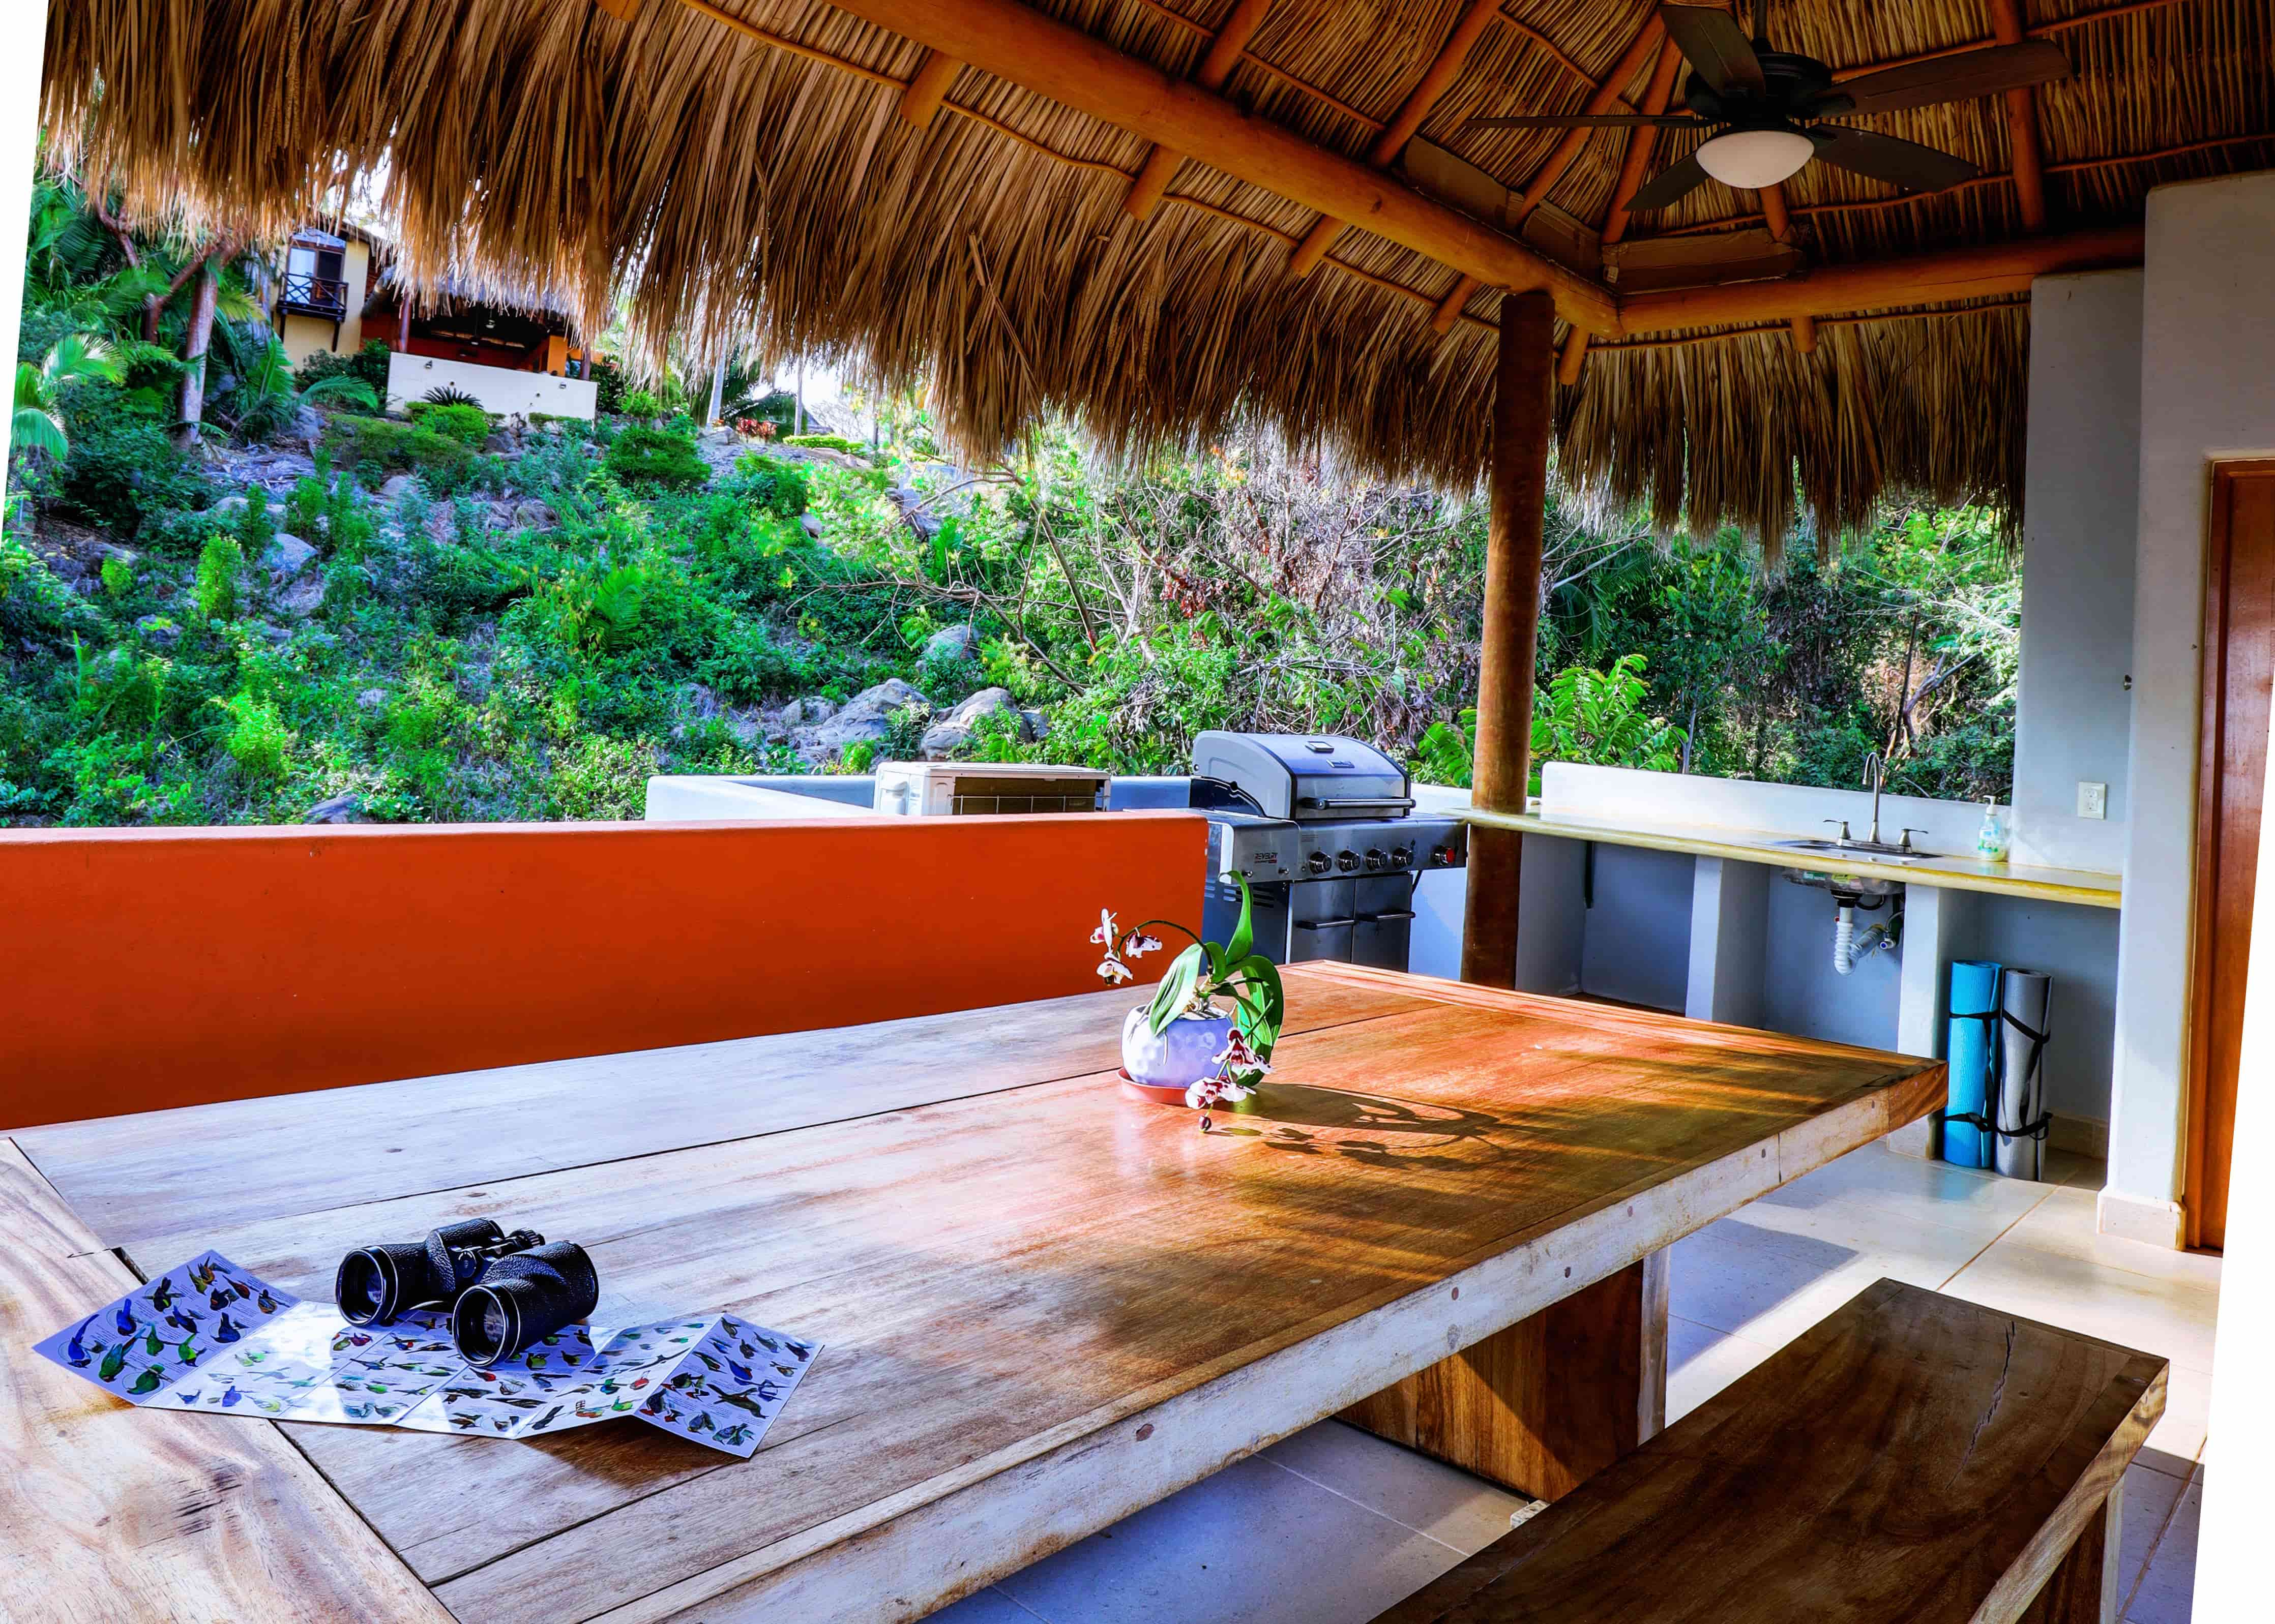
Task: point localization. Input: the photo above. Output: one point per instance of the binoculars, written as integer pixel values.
(504, 1293)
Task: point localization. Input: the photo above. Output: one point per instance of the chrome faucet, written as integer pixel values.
(1875, 772)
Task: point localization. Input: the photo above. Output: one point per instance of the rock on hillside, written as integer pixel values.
(866, 718)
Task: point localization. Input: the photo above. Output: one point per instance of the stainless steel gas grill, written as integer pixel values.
(1325, 829)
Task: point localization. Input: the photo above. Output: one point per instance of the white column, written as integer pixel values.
(1729, 932)
(1934, 920)
(23, 41)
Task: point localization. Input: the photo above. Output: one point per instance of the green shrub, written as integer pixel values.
(220, 564)
(644, 456)
(367, 365)
(640, 404)
(772, 483)
(398, 447)
(449, 394)
(256, 527)
(122, 469)
(828, 442)
(258, 740)
(464, 421)
(117, 577)
(600, 779)
(608, 385)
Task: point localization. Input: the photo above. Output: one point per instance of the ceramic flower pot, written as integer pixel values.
(1178, 1057)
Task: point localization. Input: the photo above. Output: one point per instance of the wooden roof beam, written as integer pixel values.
(2029, 158)
(1052, 59)
(1224, 52)
(1986, 272)
(1438, 78)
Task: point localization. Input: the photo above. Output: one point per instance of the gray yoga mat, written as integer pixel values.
(2019, 1149)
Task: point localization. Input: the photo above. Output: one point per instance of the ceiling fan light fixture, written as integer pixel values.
(1752, 159)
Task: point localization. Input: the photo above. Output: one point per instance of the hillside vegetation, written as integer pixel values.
(324, 611)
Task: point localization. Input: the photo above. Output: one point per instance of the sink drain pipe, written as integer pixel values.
(1848, 951)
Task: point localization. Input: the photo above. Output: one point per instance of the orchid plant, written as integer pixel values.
(1199, 976)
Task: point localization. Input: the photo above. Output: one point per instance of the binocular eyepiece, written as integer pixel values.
(504, 1293)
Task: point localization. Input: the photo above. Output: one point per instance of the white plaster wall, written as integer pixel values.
(408, 377)
(1636, 941)
(2074, 717)
(2207, 391)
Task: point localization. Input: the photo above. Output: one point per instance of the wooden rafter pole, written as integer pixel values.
(921, 102)
(1056, 60)
(2028, 157)
(1160, 165)
(1778, 218)
(1607, 95)
(1519, 487)
(1438, 78)
(1642, 144)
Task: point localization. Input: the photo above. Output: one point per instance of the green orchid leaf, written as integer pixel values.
(1176, 991)
(1244, 934)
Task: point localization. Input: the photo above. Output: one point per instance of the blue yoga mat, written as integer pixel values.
(1972, 1056)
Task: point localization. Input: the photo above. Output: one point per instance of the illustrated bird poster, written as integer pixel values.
(211, 1337)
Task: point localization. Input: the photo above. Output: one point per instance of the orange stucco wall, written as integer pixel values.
(144, 969)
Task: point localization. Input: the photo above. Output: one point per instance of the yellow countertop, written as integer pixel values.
(2086, 886)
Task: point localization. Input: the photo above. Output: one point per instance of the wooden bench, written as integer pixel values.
(1911, 1458)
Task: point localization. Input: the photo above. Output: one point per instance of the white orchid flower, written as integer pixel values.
(1139, 945)
(1114, 972)
(1106, 931)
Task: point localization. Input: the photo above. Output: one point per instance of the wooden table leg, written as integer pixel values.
(2084, 1588)
(1546, 1404)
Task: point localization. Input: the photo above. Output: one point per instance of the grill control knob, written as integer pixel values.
(1346, 861)
(1318, 863)
(1375, 858)
(1402, 857)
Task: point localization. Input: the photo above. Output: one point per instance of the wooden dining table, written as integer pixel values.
(1042, 1303)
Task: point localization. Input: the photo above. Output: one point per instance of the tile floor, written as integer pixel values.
(1331, 1525)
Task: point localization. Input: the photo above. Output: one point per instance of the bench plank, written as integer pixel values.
(108, 1512)
(1911, 1457)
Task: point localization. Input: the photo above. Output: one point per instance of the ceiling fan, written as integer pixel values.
(1765, 106)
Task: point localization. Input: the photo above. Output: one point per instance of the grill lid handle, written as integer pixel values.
(1391, 802)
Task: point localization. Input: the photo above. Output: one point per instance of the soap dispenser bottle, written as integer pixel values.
(1991, 842)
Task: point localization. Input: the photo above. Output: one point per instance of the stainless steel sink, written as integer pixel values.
(1879, 851)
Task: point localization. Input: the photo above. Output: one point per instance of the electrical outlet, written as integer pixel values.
(2092, 799)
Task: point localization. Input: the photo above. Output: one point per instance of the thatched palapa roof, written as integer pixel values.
(964, 190)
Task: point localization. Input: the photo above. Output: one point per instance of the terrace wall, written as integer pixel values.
(148, 968)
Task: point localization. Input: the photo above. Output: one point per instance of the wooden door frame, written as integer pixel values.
(2221, 476)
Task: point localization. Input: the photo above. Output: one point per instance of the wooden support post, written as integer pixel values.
(1804, 334)
(1574, 359)
(2028, 159)
(1160, 165)
(921, 102)
(1547, 1403)
(2087, 1586)
(1519, 487)
(1436, 81)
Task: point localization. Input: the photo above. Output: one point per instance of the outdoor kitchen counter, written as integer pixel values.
(2085, 887)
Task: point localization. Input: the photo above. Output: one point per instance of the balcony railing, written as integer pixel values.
(316, 296)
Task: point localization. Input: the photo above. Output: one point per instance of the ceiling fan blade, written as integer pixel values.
(1957, 78)
(1583, 121)
(1669, 186)
(1886, 157)
(1713, 44)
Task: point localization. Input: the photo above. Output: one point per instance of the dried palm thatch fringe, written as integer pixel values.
(719, 185)
(1747, 430)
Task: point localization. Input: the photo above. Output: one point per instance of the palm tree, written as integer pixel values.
(38, 425)
(260, 398)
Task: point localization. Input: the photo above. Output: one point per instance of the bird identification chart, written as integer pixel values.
(210, 1336)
